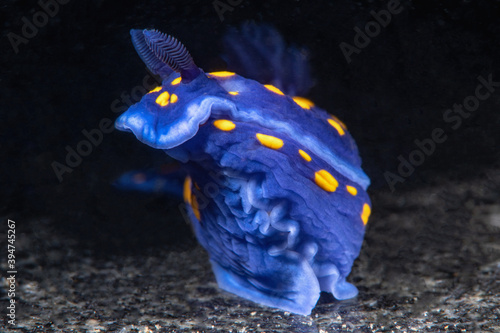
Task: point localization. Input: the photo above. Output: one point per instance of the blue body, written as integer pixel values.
(275, 189)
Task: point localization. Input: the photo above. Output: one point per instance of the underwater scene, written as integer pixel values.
(233, 166)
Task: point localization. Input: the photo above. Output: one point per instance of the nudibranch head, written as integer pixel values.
(170, 114)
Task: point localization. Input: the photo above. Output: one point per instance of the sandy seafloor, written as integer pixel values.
(92, 258)
(430, 264)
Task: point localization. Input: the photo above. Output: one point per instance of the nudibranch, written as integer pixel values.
(274, 187)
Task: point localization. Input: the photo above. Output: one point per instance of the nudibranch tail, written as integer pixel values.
(260, 53)
(170, 51)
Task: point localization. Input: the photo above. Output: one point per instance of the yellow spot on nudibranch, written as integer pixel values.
(269, 141)
(190, 198)
(155, 90)
(176, 81)
(339, 121)
(187, 190)
(326, 181)
(303, 102)
(305, 155)
(273, 89)
(173, 98)
(366, 213)
(336, 125)
(234, 93)
(352, 190)
(194, 206)
(163, 98)
(224, 125)
(221, 74)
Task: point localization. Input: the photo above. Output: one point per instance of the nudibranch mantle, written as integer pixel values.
(275, 190)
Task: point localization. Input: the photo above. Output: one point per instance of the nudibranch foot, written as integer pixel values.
(331, 281)
(284, 281)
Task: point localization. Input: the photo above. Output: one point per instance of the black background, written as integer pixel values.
(394, 91)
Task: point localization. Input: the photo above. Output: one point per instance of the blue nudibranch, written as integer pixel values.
(274, 186)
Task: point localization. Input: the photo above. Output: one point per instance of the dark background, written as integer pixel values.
(394, 91)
